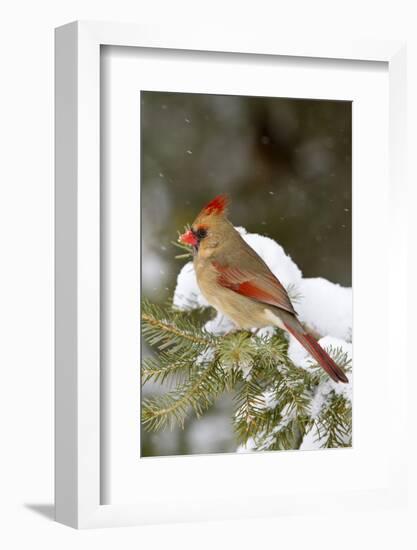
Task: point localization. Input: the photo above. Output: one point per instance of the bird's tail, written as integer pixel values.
(321, 356)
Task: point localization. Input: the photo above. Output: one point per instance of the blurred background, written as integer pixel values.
(286, 164)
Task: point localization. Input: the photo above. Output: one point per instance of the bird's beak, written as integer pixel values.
(188, 238)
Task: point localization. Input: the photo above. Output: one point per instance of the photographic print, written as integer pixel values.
(245, 274)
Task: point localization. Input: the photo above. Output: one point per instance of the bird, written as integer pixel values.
(238, 283)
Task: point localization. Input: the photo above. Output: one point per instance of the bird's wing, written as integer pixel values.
(262, 287)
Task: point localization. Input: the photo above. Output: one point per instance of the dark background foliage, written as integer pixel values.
(286, 164)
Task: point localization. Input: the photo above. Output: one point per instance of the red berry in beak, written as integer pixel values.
(188, 238)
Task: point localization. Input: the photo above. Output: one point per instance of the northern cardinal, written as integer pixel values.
(238, 283)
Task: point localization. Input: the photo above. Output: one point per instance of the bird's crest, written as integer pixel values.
(217, 206)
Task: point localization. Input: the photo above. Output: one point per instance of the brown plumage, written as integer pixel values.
(237, 282)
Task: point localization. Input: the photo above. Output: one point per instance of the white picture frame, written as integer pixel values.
(78, 478)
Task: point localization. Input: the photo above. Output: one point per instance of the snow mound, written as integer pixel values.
(187, 294)
(281, 265)
(326, 307)
(219, 325)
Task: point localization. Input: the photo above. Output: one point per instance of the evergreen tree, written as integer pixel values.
(276, 403)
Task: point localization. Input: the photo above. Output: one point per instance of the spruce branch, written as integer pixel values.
(334, 423)
(171, 329)
(197, 393)
(276, 402)
(166, 366)
(250, 409)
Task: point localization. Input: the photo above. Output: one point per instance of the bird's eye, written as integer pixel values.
(200, 233)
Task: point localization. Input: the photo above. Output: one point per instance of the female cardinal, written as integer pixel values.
(237, 282)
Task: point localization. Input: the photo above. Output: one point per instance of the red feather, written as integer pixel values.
(217, 206)
(263, 287)
(319, 354)
(248, 289)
